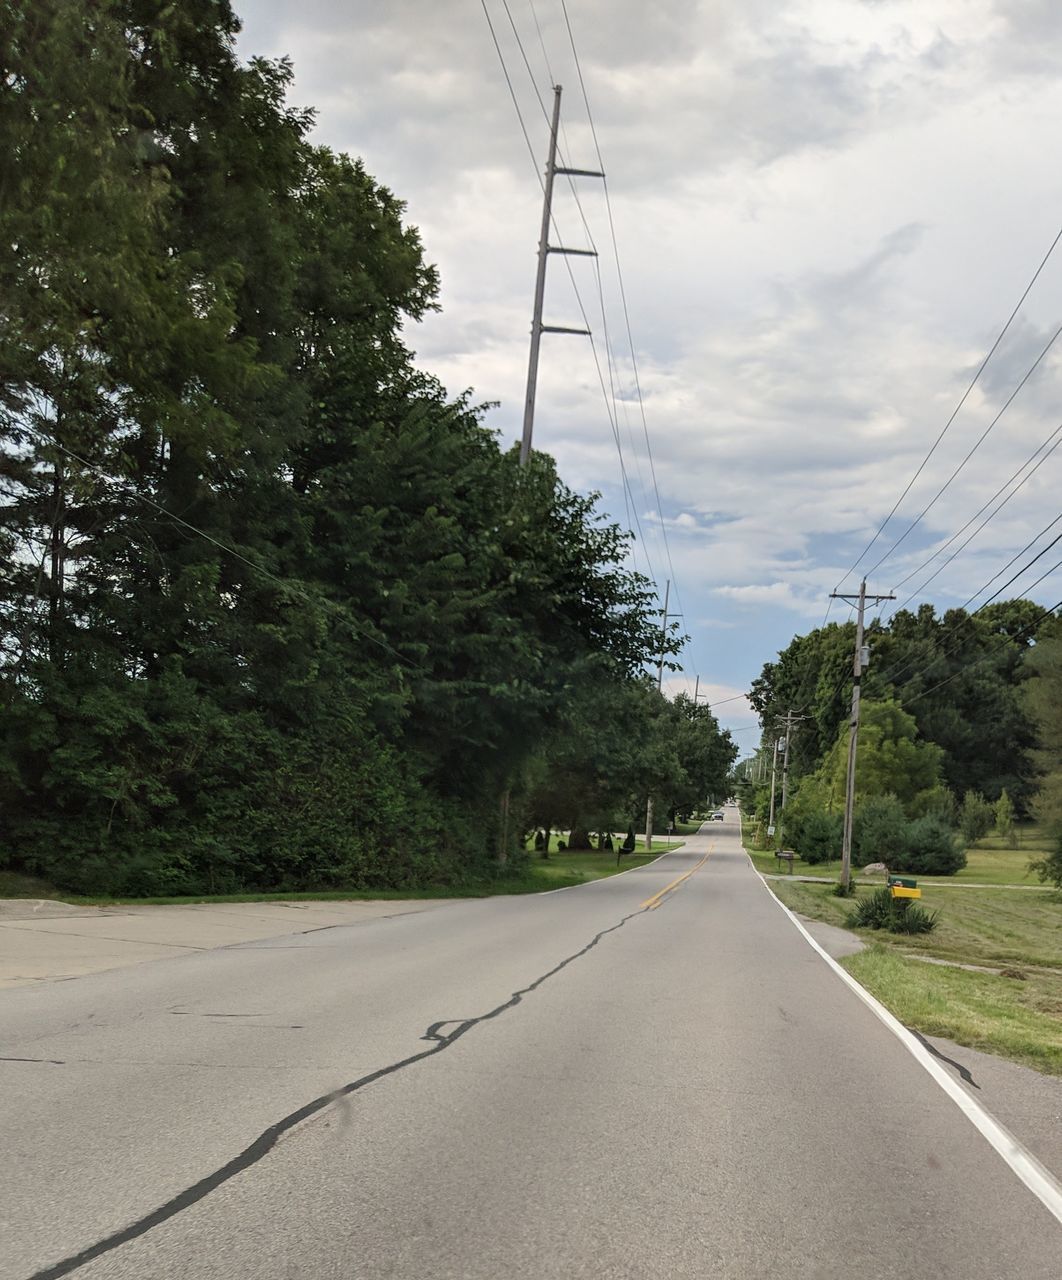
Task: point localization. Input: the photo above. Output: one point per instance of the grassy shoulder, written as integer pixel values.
(1016, 1013)
(1001, 1015)
(559, 871)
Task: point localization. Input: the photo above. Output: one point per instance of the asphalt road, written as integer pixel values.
(598, 1082)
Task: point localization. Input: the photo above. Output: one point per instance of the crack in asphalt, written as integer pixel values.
(963, 1071)
(268, 1138)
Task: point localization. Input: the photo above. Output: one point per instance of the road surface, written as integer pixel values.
(653, 1075)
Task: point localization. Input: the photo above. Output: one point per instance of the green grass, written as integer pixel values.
(561, 870)
(990, 861)
(577, 868)
(14, 885)
(1008, 929)
(1020, 1020)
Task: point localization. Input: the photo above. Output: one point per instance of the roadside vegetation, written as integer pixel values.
(278, 612)
(958, 785)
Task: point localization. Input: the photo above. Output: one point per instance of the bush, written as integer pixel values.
(930, 849)
(1049, 868)
(976, 817)
(896, 915)
(1004, 815)
(936, 802)
(819, 836)
(880, 830)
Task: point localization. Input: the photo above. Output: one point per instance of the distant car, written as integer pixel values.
(717, 816)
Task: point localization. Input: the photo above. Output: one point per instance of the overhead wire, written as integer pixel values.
(623, 294)
(977, 444)
(893, 673)
(1032, 626)
(1054, 440)
(571, 275)
(955, 412)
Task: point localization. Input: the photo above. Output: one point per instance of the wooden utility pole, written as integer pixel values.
(774, 769)
(859, 665)
(659, 688)
(791, 719)
(544, 250)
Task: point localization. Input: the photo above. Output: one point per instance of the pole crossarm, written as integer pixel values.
(544, 250)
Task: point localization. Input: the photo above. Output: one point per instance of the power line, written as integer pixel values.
(1044, 615)
(1056, 436)
(955, 412)
(977, 444)
(623, 295)
(891, 674)
(571, 275)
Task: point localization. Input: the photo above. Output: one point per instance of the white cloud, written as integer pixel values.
(825, 211)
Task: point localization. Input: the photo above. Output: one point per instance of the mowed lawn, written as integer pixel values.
(1016, 1012)
(989, 861)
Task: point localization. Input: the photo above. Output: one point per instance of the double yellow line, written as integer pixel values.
(651, 904)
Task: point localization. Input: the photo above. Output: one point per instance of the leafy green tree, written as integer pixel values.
(1043, 699)
(1004, 816)
(890, 758)
(276, 612)
(880, 830)
(813, 673)
(818, 836)
(961, 675)
(930, 848)
(976, 817)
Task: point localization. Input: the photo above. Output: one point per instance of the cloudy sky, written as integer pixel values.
(825, 212)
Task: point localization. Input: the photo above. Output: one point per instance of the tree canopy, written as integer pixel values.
(276, 611)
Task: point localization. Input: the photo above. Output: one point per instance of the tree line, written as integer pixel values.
(959, 733)
(276, 611)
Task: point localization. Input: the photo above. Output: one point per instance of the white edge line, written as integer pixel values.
(1040, 1181)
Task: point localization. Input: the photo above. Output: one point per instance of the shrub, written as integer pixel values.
(975, 817)
(1004, 815)
(936, 802)
(819, 836)
(896, 915)
(930, 849)
(1049, 868)
(880, 830)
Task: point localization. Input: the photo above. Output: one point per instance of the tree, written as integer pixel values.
(811, 673)
(880, 830)
(890, 759)
(976, 817)
(1042, 694)
(1004, 815)
(277, 612)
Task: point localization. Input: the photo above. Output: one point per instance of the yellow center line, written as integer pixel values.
(652, 903)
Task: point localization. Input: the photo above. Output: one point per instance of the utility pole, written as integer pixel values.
(791, 719)
(696, 690)
(774, 767)
(544, 250)
(785, 780)
(859, 664)
(659, 689)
